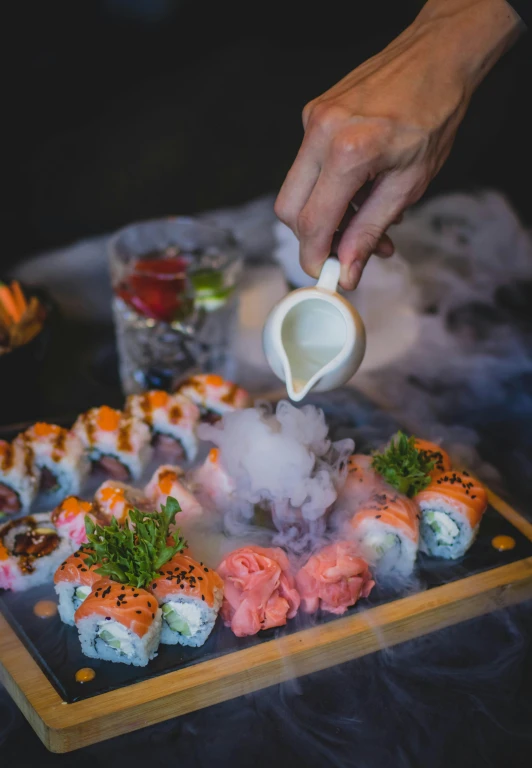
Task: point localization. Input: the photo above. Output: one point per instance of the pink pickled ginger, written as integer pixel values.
(259, 590)
(334, 579)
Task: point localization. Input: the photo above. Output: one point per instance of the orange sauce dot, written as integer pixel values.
(503, 543)
(85, 675)
(45, 609)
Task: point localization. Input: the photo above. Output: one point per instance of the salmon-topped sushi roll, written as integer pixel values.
(119, 623)
(451, 509)
(361, 483)
(171, 418)
(214, 395)
(120, 444)
(69, 518)
(73, 582)
(168, 480)
(434, 453)
(190, 595)
(59, 456)
(334, 579)
(210, 482)
(114, 499)
(31, 549)
(19, 479)
(386, 530)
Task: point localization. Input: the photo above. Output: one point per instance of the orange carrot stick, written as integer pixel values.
(9, 305)
(18, 297)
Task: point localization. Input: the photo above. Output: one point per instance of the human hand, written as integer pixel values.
(374, 141)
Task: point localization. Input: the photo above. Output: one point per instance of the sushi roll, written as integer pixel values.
(432, 452)
(19, 480)
(69, 518)
(167, 481)
(59, 456)
(171, 418)
(120, 444)
(451, 509)
(334, 579)
(190, 596)
(31, 549)
(212, 485)
(119, 623)
(386, 531)
(214, 395)
(114, 499)
(259, 590)
(73, 582)
(361, 483)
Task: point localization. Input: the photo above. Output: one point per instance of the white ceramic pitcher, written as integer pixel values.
(314, 338)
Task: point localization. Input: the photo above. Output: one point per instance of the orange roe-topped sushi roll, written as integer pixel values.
(119, 443)
(119, 623)
(167, 481)
(172, 419)
(386, 530)
(69, 518)
(190, 595)
(59, 456)
(114, 499)
(73, 582)
(214, 395)
(451, 509)
(19, 479)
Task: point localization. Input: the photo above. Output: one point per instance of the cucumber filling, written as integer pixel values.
(80, 594)
(183, 618)
(117, 637)
(383, 545)
(442, 528)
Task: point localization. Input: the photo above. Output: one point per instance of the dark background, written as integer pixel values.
(126, 109)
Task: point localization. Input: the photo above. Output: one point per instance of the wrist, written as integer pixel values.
(468, 36)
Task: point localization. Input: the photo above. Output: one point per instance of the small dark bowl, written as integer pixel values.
(20, 369)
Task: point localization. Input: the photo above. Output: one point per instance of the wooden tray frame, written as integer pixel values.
(63, 727)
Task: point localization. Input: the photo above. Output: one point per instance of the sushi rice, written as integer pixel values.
(117, 442)
(59, 456)
(171, 417)
(40, 550)
(119, 623)
(19, 479)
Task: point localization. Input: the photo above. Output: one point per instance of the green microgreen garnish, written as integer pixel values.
(133, 555)
(403, 466)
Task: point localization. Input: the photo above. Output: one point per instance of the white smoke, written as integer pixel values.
(284, 458)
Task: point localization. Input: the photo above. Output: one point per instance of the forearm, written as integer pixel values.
(472, 35)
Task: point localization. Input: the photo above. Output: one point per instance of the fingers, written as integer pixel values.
(297, 187)
(322, 215)
(365, 233)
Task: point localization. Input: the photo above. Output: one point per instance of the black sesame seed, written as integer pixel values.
(182, 586)
(149, 604)
(206, 570)
(153, 586)
(377, 517)
(153, 615)
(203, 597)
(138, 611)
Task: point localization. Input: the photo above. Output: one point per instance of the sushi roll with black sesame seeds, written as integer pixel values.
(190, 595)
(119, 623)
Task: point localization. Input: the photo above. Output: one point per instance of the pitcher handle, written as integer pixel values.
(330, 274)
